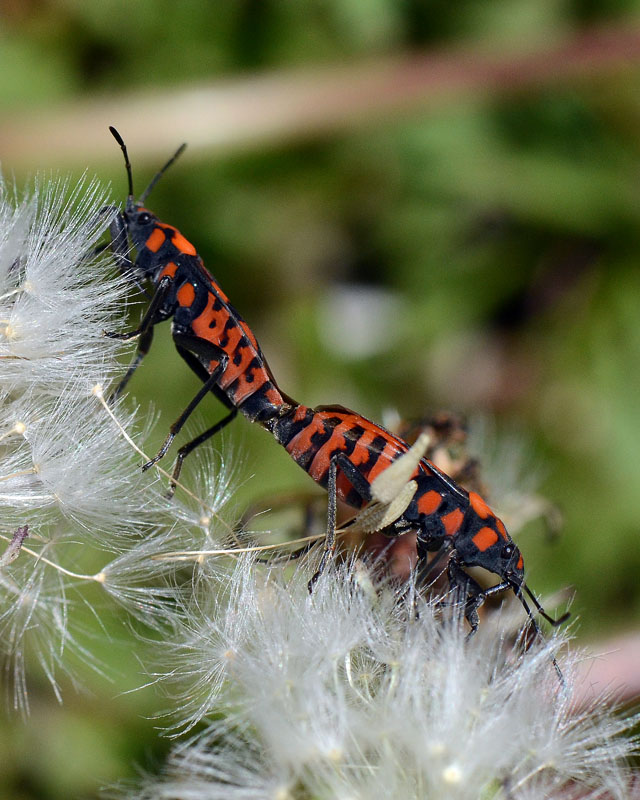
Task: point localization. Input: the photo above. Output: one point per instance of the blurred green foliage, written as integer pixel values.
(508, 229)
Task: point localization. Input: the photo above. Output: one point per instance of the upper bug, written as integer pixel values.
(208, 332)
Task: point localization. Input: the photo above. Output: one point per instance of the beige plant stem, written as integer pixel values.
(248, 112)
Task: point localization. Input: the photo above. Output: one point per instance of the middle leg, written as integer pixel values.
(361, 486)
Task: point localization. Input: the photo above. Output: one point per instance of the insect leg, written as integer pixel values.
(187, 448)
(472, 592)
(212, 353)
(362, 487)
(463, 584)
(119, 242)
(144, 331)
(144, 345)
(203, 373)
(150, 317)
(119, 245)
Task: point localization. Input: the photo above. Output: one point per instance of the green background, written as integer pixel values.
(501, 232)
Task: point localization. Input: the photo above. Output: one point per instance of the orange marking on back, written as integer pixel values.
(301, 442)
(170, 270)
(274, 396)
(501, 529)
(186, 294)
(484, 539)
(520, 564)
(218, 290)
(156, 240)
(452, 521)
(300, 413)
(202, 323)
(249, 334)
(388, 455)
(429, 502)
(361, 451)
(321, 460)
(233, 371)
(245, 388)
(479, 506)
(179, 241)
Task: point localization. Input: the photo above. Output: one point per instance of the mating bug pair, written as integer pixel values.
(341, 450)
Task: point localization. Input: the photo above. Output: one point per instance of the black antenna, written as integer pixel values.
(543, 613)
(161, 172)
(127, 163)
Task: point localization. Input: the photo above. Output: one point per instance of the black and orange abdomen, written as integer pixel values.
(313, 437)
(203, 311)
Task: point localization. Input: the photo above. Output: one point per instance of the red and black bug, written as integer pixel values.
(208, 332)
(341, 450)
(345, 452)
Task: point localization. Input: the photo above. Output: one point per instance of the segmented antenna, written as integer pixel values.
(161, 172)
(543, 613)
(127, 163)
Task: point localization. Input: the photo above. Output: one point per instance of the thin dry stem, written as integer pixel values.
(245, 113)
(98, 577)
(196, 555)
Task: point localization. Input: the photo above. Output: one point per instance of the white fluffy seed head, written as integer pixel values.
(53, 305)
(68, 467)
(342, 694)
(358, 697)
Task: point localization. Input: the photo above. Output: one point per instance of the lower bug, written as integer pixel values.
(345, 453)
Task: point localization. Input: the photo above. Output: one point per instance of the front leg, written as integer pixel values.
(151, 316)
(120, 248)
(144, 331)
(474, 595)
(119, 245)
(463, 585)
(119, 242)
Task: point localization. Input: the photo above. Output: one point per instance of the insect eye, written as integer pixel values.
(507, 550)
(144, 218)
